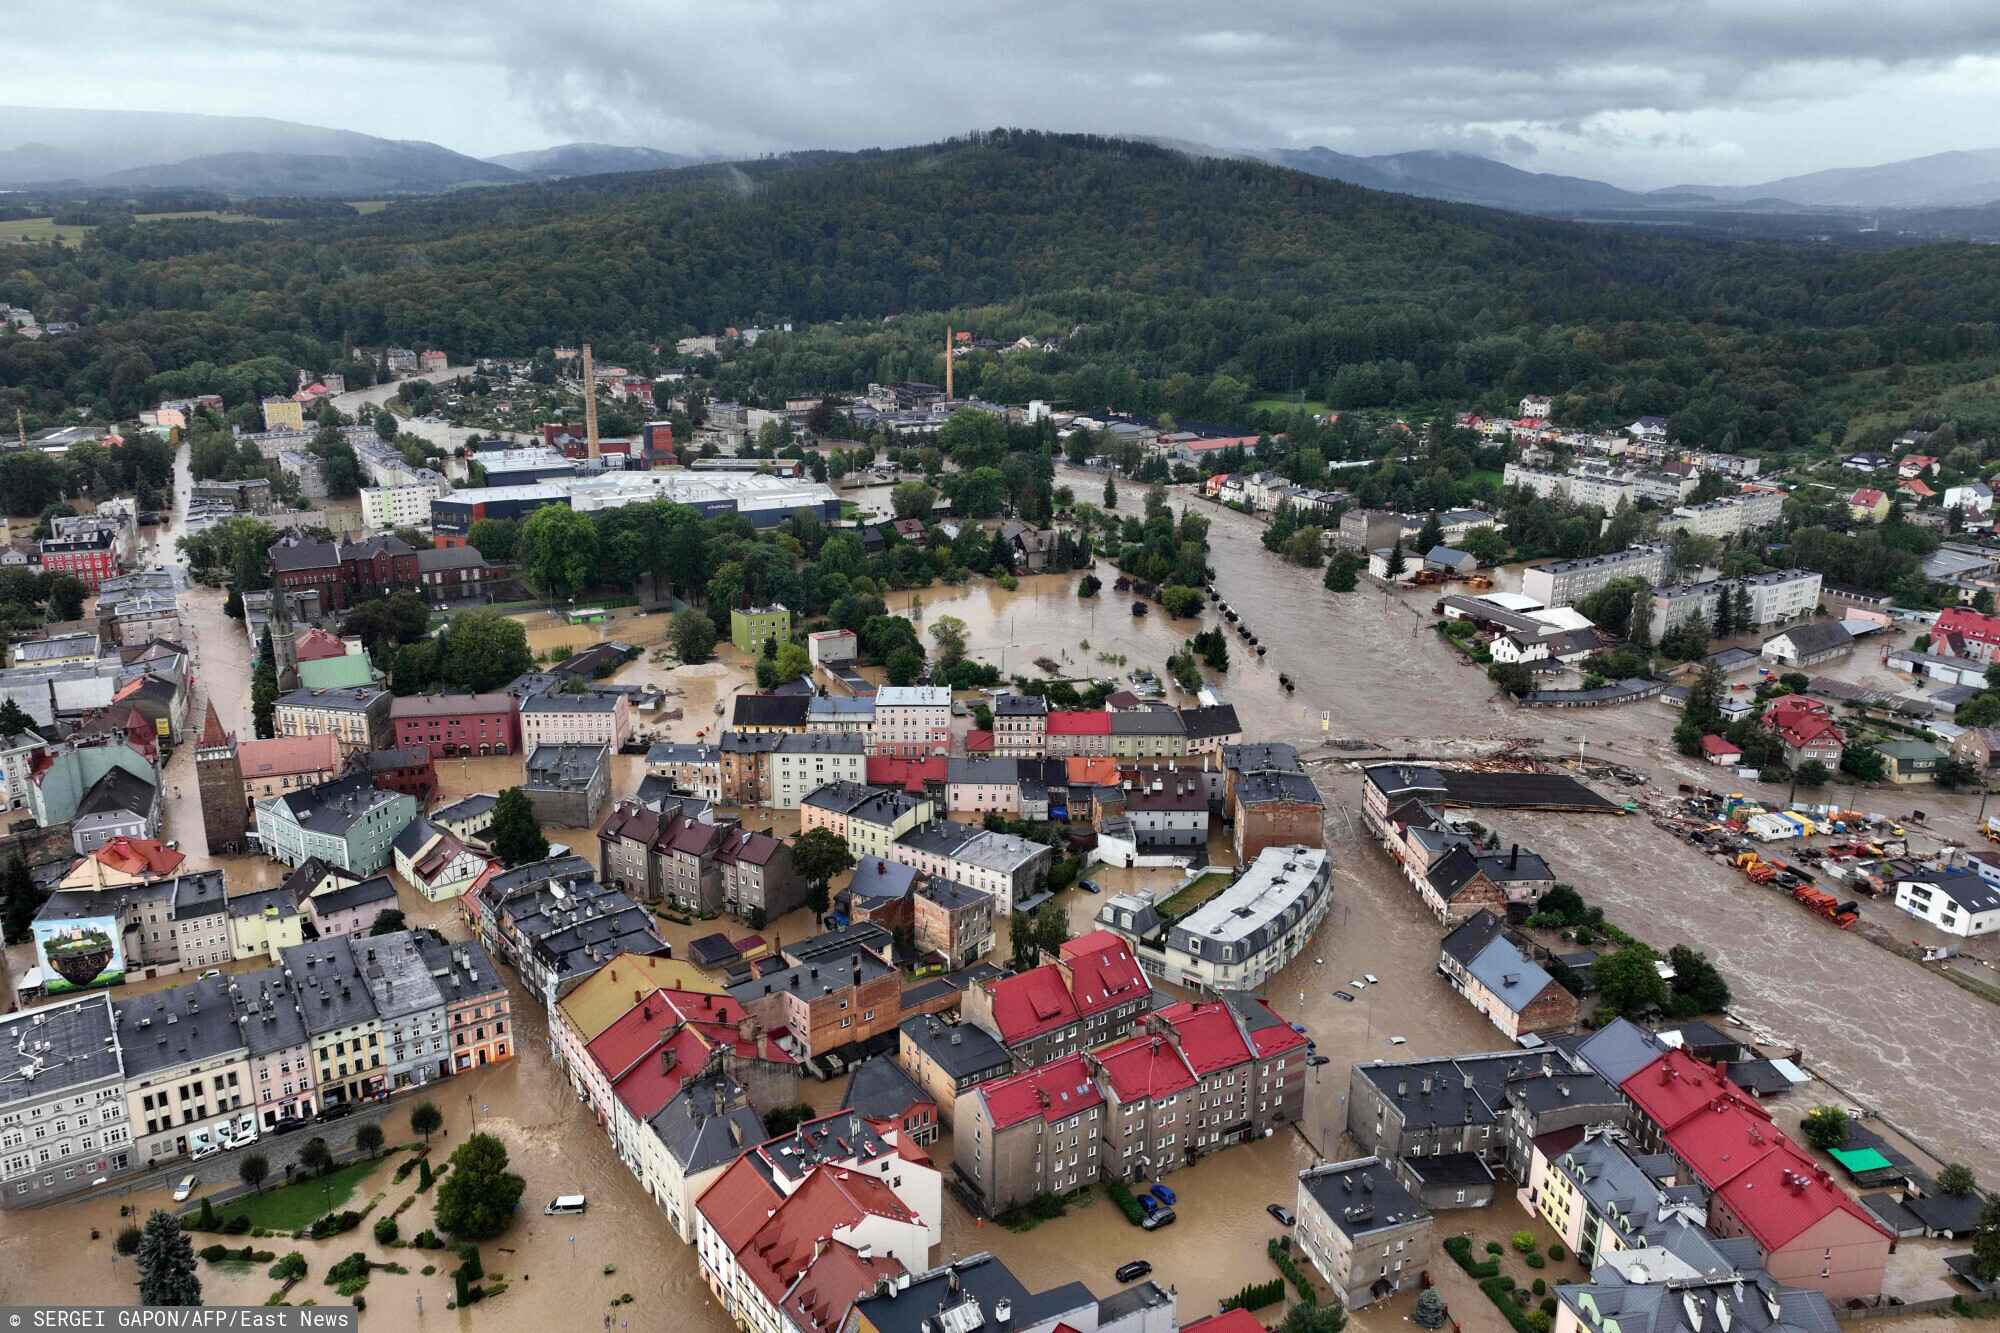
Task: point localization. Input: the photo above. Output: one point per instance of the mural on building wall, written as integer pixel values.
(84, 951)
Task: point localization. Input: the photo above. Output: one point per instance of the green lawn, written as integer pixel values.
(367, 206)
(204, 214)
(40, 231)
(1286, 404)
(289, 1207)
(1194, 895)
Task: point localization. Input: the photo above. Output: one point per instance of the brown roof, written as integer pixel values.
(287, 756)
(450, 705)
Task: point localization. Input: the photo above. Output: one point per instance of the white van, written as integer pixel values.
(184, 1189)
(566, 1205)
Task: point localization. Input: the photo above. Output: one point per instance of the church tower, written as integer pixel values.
(219, 779)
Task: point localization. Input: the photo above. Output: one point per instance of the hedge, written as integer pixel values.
(1281, 1255)
(1257, 1295)
(1502, 1297)
(1127, 1205)
(1459, 1248)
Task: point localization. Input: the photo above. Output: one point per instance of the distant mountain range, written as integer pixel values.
(591, 159)
(1941, 180)
(41, 146)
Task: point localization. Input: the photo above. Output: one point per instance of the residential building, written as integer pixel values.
(406, 506)
(64, 1124)
(1361, 1229)
(1006, 867)
(401, 768)
(981, 786)
(119, 804)
(759, 881)
(952, 921)
(696, 769)
(1495, 977)
(568, 784)
(409, 1006)
(187, 1069)
(468, 817)
(570, 717)
(844, 998)
(836, 715)
(273, 1025)
(1077, 732)
(1772, 598)
(1020, 728)
(1968, 633)
(349, 823)
(948, 1059)
(1274, 808)
(1808, 1231)
(357, 718)
(911, 721)
(1037, 1132)
(1868, 505)
(1241, 937)
(90, 557)
(755, 714)
(264, 923)
(1143, 732)
(832, 647)
(346, 907)
(1958, 902)
(284, 763)
(1908, 762)
(1600, 1199)
(342, 1030)
(1667, 1295)
(453, 573)
(1805, 727)
(1565, 581)
(455, 724)
(435, 862)
(869, 819)
(802, 763)
(750, 628)
(1092, 993)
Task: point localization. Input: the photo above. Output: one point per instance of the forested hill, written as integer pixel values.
(1174, 264)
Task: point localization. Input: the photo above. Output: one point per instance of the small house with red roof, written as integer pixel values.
(1916, 489)
(1806, 729)
(1917, 465)
(1968, 633)
(1808, 1231)
(1076, 732)
(1868, 505)
(1720, 752)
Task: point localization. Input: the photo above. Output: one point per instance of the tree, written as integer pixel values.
(1812, 773)
(478, 1197)
(1953, 773)
(494, 538)
(905, 665)
(693, 635)
(1686, 641)
(385, 425)
(1342, 572)
(66, 594)
(1396, 564)
(516, 834)
(1864, 762)
(1627, 983)
(388, 922)
(1110, 492)
(369, 1139)
(14, 721)
(264, 691)
(1087, 586)
(1986, 1240)
(949, 632)
(426, 1119)
(19, 899)
(166, 1263)
(1431, 534)
(1315, 1318)
(1725, 614)
(818, 856)
(1825, 1127)
(557, 550)
(912, 499)
(128, 1240)
(1697, 987)
(254, 1170)
(1957, 1180)
(316, 1157)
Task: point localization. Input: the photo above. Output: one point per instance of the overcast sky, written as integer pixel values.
(1639, 92)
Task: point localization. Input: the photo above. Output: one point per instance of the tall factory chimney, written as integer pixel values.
(589, 406)
(947, 362)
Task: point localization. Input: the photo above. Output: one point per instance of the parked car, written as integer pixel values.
(566, 1205)
(1148, 1204)
(1315, 1061)
(1164, 1195)
(1088, 886)
(184, 1189)
(1163, 1218)
(1133, 1271)
(1282, 1213)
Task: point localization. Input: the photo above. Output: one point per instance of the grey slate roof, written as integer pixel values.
(361, 892)
(1815, 636)
(78, 1053)
(700, 1139)
(192, 1021)
(880, 1090)
(1514, 979)
(1261, 754)
(1475, 934)
(1268, 788)
(270, 1017)
(1620, 1049)
(1210, 721)
(961, 1050)
(1361, 1196)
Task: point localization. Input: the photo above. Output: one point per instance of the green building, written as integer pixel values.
(332, 673)
(750, 628)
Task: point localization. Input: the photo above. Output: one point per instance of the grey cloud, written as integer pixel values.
(1632, 85)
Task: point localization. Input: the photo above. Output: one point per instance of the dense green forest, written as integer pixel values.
(1174, 284)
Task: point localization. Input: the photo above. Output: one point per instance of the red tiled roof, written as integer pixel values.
(147, 858)
(1146, 1066)
(317, 644)
(978, 741)
(1675, 1087)
(1092, 770)
(211, 729)
(633, 1051)
(289, 756)
(1717, 746)
(1054, 1091)
(1785, 1194)
(1229, 1321)
(1079, 722)
(1103, 972)
(827, 1291)
(1030, 1003)
(739, 1202)
(830, 1198)
(1866, 498)
(909, 774)
(1915, 487)
(1969, 624)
